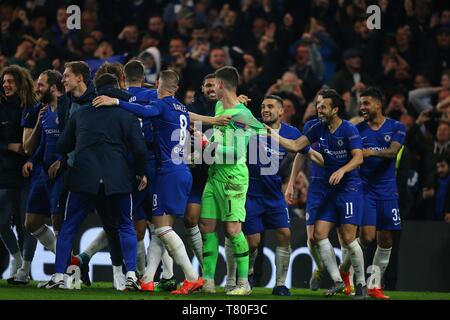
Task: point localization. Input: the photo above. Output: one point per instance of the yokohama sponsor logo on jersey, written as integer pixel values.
(335, 153)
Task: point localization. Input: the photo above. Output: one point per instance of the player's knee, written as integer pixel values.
(232, 230)
(310, 237)
(141, 229)
(202, 228)
(385, 242)
(317, 236)
(205, 227)
(56, 221)
(367, 239)
(31, 225)
(347, 239)
(253, 244)
(312, 240)
(190, 221)
(140, 234)
(231, 233)
(284, 236)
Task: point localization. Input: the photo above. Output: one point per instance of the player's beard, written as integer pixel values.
(213, 98)
(46, 97)
(323, 118)
(372, 115)
(270, 122)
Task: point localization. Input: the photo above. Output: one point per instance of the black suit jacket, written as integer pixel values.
(102, 139)
(66, 103)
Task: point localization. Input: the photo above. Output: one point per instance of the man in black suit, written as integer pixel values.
(101, 177)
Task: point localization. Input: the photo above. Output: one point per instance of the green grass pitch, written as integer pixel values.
(104, 291)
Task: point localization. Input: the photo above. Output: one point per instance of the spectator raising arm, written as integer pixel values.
(416, 96)
(316, 62)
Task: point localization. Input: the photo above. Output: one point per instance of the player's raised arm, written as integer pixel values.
(217, 121)
(290, 145)
(297, 166)
(146, 111)
(315, 157)
(245, 119)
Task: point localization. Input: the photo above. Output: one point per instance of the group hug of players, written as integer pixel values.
(352, 184)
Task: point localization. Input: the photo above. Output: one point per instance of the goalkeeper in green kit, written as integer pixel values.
(225, 192)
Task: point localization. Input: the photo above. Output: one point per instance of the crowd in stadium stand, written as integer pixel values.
(290, 48)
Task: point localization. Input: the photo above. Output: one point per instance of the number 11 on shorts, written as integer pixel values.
(348, 209)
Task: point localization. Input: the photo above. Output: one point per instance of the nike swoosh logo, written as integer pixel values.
(396, 224)
(362, 138)
(6, 122)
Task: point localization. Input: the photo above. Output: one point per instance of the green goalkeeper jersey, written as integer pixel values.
(231, 152)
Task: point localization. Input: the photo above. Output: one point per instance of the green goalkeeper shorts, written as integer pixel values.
(224, 201)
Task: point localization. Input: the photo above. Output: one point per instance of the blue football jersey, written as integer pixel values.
(336, 147)
(30, 115)
(316, 172)
(144, 96)
(377, 173)
(260, 184)
(46, 151)
(171, 125)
